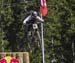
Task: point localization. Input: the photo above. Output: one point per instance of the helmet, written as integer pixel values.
(34, 13)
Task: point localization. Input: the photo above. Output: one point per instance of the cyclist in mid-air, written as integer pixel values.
(31, 21)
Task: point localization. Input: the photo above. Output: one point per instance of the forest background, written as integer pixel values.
(59, 26)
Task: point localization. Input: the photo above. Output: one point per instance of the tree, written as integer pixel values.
(59, 24)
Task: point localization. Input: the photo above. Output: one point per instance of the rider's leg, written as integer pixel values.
(39, 38)
(29, 31)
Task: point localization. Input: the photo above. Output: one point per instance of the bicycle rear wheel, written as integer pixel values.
(36, 38)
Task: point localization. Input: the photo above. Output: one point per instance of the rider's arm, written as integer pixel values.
(27, 19)
(40, 19)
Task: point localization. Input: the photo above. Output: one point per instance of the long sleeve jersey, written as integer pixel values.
(30, 17)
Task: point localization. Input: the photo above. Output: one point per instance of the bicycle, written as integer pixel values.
(34, 35)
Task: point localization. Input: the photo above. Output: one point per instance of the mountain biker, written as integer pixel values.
(31, 21)
(32, 18)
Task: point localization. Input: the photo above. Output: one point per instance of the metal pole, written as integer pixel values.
(73, 51)
(43, 55)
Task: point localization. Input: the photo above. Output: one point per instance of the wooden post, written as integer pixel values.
(27, 58)
(20, 57)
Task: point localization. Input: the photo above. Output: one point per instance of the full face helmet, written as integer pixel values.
(34, 13)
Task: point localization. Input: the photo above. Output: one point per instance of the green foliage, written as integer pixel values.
(59, 25)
